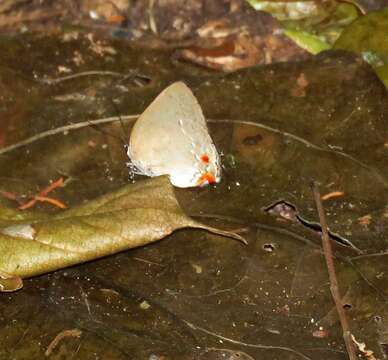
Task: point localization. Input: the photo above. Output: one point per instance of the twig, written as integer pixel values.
(42, 196)
(62, 129)
(11, 196)
(307, 143)
(255, 346)
(328, 253)
(147, 261)
(227, 121)
(332, 194)
(259, 226)
(151, 17)
(63, 334)
(52, 201)
(81, 74)
(383, 253)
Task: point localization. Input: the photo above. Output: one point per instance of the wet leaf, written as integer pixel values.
(310, 42)
(368, 36)
(284, 10)
(132, 216)
(314, 26)
(268, 303)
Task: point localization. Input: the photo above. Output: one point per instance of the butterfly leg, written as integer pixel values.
(132, 171)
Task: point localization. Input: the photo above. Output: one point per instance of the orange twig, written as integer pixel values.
(8, 195)
(28, 204)
(51, 201)
(332, 194)
(51, 187)
(11, 196)
(42, 196)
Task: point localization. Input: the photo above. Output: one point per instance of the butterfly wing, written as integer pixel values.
(171, 138)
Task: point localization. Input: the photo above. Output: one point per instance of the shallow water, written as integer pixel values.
(195, 295)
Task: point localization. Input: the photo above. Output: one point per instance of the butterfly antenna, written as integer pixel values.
(117, 111)
(97, 128)
(132, 170)
(120, 138)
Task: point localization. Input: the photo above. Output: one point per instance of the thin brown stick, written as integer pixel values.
(65, 128)
(328, 253)
(81, 74)
(63, 334)
(227, 121)
(250, 345)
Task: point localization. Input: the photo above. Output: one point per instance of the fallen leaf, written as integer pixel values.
(134, 215)
(233, 54)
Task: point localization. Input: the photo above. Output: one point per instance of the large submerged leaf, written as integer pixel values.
(323, 119)
(132, 216)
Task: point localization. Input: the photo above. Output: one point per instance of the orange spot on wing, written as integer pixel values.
(206, 178)
(205, 158)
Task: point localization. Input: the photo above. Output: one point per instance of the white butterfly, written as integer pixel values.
(171, 138)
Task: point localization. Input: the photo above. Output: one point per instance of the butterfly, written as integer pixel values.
(171, 138)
